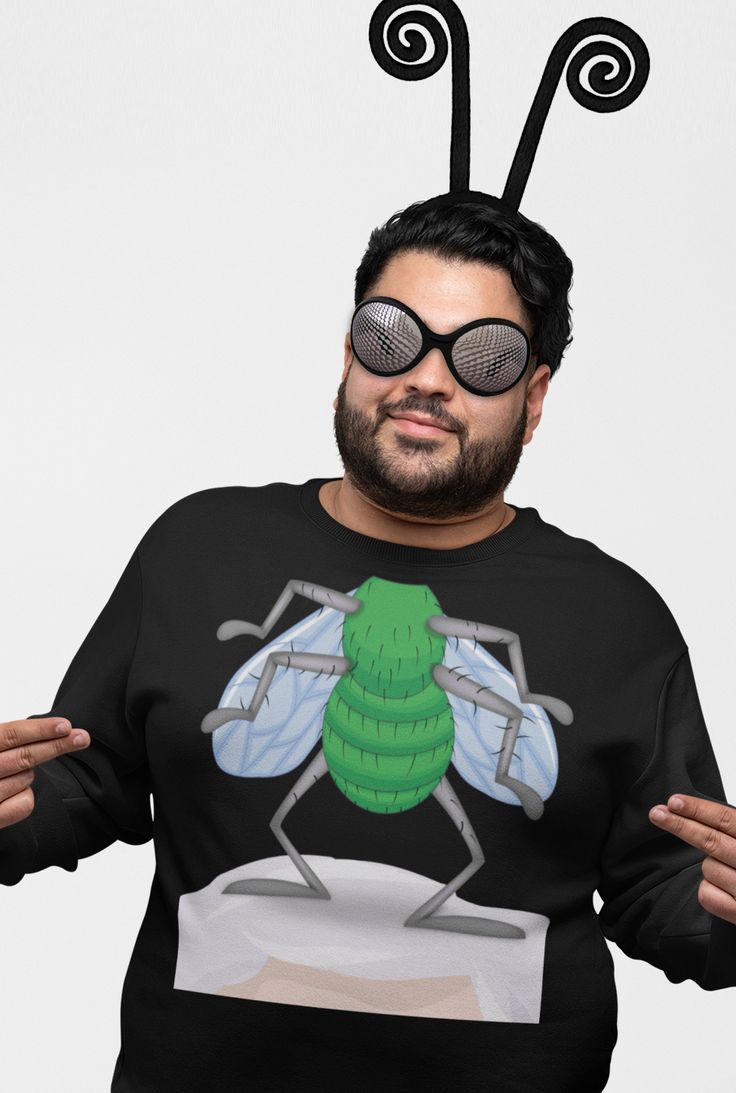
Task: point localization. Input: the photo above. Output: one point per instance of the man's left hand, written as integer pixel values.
(710, 827)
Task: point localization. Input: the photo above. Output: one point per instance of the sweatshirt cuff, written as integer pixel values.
(17, 849)
(720, 970)
(44, 838)
(52, 826)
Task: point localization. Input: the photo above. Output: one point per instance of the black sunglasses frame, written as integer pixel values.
(443, 342)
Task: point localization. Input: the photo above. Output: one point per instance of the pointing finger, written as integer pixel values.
(708, 825)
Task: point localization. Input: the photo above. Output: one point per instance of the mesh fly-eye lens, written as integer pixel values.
(487, 359)
(490, 357)
(385, 338)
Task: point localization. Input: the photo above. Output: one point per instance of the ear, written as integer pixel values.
(347, 361)
(348, 358)
(535, 392)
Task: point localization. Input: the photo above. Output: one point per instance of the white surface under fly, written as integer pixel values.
(352, 952)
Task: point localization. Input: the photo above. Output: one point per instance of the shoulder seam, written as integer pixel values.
(668, 675)
(138, 627)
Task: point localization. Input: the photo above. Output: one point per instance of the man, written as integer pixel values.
(386, 791)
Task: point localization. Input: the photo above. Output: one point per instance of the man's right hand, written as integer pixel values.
(23, 745)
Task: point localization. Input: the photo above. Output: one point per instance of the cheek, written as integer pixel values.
(497, 416)
(367, 392)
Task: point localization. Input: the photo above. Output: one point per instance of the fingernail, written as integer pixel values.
(62, 726)
(78, 739)
(676, 802)
(658, 813)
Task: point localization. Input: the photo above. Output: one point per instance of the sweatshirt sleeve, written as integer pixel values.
(649, 878)
(87, 800)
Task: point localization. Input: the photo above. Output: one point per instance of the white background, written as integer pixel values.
(188, 189)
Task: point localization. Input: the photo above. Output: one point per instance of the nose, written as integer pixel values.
(430, 375)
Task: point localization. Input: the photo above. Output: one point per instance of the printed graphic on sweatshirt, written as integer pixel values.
(398, 695)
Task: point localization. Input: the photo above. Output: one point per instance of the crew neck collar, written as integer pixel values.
(525, 521)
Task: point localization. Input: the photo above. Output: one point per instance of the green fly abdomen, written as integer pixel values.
(388, 731)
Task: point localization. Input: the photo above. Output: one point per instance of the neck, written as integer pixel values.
(351, 508)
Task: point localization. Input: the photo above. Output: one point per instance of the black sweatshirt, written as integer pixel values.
(389, 775)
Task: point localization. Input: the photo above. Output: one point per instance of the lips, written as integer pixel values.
(420, 420)
(419, 424)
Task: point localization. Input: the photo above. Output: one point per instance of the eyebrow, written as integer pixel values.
(454, 330)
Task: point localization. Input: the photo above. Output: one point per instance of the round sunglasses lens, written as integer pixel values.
(384, 337)
(490, 357)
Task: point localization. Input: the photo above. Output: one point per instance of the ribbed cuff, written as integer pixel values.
(44, 838)
(17, 850)
(720, 968)
(52, 826)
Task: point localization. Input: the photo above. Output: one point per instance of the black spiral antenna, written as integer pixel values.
(399, 47)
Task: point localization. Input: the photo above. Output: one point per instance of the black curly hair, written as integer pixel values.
(539, 269)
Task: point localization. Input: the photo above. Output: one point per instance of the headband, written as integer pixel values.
(401, 53)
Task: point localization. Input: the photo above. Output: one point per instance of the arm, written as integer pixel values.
(648, 878)
(85, 801)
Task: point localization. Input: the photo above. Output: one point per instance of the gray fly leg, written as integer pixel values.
(318, 593)
(314, 662)
(466, 924)
(465, 628)
(472, 691)
(310, 662)
(272, 886)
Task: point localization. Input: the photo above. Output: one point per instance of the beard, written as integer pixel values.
(415, 478)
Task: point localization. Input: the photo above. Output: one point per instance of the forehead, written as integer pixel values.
(447, 293)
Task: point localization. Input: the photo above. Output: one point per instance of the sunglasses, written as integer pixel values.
(486, 356)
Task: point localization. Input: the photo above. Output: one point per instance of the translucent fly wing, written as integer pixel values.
(479, 732)
(289, 722)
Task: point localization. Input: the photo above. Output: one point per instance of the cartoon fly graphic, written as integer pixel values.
(388, 731)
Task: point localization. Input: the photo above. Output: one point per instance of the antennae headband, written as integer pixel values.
(615, 79)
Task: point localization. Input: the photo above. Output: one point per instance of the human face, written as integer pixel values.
(465, 464)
